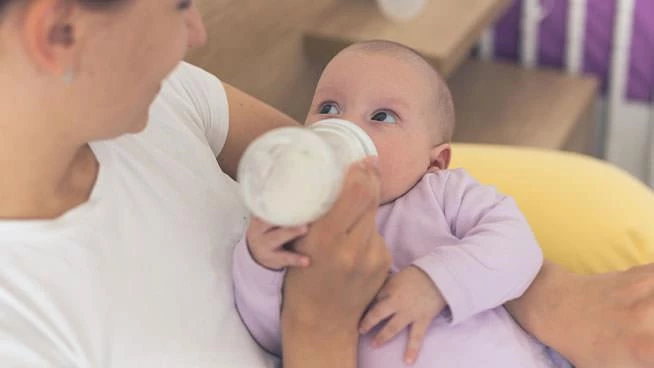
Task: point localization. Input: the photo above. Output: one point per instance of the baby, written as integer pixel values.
(460, 249)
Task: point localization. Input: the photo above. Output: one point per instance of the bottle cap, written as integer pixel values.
(289, 176)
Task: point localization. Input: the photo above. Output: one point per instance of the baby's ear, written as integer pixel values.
(439, 157)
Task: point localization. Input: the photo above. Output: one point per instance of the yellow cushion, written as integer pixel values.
(588, 215)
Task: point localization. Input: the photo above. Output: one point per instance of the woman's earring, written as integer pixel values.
(69, 76)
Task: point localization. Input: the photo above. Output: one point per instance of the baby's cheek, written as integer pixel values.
(392, 179)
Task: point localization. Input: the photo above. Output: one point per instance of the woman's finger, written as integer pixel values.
(416, 335)
(360, 192)
(380, 311)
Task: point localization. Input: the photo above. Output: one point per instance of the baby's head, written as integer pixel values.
(396, 96)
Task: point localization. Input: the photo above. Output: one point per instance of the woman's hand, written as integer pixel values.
(323, 303)
(595, 321)
(615, 320)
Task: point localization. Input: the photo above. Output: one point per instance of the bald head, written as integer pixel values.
(442, 129)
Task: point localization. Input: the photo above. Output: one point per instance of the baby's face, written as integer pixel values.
(388, 98)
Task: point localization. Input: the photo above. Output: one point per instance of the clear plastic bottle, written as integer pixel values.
(292, 176)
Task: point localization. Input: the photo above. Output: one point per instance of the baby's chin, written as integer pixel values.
(390, 194)
(386, 197)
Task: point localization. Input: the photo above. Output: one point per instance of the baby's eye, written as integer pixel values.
(184, 4)
(329, 108)
(386, 117)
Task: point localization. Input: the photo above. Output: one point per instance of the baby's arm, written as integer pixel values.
(497, 256)
(258, 274)
(258, 296)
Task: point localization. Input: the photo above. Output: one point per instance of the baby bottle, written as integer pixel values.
(292, 175)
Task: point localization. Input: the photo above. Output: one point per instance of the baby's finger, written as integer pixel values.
(284, 258)
(381, 310)
(257, 225)
(278, 237)
(416, 335)
(396, 324)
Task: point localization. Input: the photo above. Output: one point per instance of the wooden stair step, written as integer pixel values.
(444, 32)
(502, 103)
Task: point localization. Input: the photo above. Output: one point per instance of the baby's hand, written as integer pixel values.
(266, 244)
(408, 298)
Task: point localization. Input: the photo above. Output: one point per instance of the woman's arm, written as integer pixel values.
(248, 119)
(603, 320)
(324, 302)
(308, 344)
(538, 308)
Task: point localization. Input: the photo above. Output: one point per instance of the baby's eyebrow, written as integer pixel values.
(328, 90)
(395, 103)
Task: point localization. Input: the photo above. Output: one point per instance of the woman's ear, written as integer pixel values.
(439, 157)
(49, 33)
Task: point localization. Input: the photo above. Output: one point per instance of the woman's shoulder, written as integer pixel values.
(197, 99)
(195, 85)
(187, 73)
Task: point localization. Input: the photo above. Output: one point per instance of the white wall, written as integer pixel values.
(632, 138)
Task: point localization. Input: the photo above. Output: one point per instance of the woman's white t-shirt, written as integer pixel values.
(140, 275)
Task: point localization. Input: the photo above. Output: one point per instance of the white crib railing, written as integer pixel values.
(533, 12)
(574, 58)
(611, 130)
(487, 45)
(529, 25)
(622, 35)
(650, 163)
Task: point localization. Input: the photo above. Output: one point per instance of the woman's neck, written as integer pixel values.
(42, 180)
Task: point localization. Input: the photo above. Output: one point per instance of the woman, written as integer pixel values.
(116, 224)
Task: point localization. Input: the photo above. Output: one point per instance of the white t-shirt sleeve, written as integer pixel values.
(205, 95)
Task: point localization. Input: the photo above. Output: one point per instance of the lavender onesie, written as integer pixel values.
(472, 242)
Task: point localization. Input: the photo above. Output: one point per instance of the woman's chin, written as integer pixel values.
(141, 123)
(135, 125)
